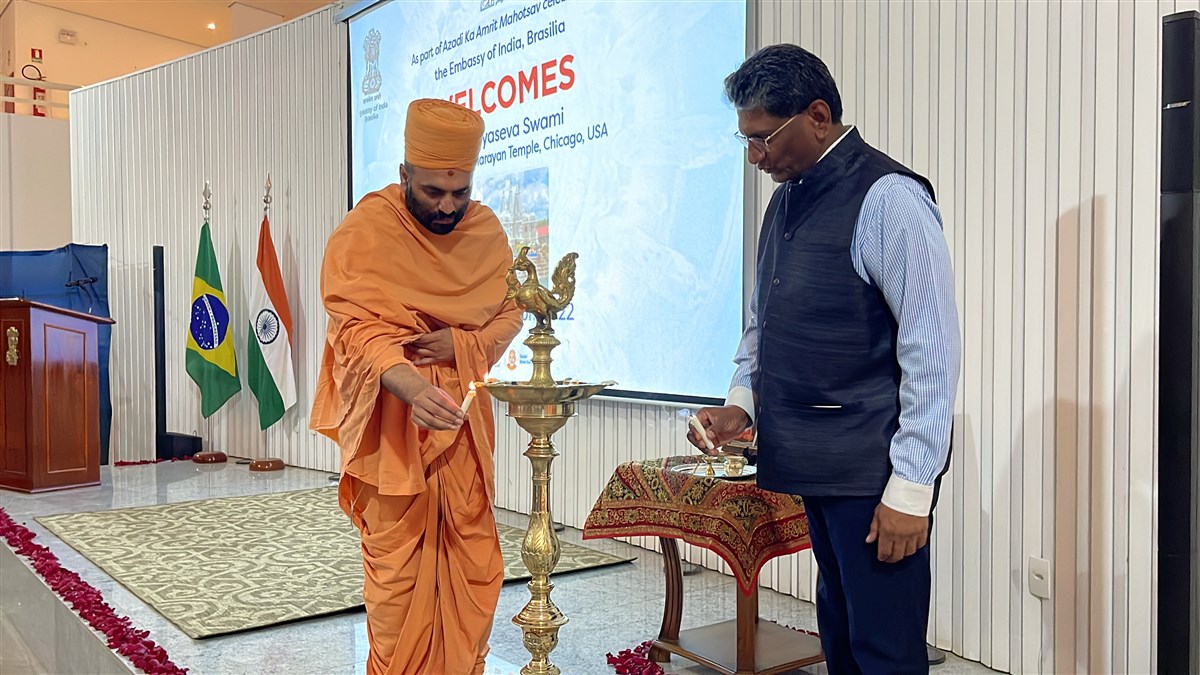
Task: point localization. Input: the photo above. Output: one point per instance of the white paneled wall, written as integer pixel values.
(1037, 122)
(142, 147)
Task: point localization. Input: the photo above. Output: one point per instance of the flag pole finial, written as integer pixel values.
(207, 200)
(267, 196)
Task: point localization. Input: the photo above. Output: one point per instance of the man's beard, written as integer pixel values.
(433, 219)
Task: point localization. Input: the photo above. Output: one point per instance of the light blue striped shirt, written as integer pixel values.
(899, 247)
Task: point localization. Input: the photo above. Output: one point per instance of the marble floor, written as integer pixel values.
(609, 609)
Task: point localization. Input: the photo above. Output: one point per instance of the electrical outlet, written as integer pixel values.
(1039, 577)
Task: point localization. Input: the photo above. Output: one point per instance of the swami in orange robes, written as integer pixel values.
(421, 499)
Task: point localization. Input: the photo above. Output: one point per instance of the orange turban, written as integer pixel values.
(442, 135)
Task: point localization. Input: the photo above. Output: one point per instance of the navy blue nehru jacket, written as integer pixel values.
(827, 380)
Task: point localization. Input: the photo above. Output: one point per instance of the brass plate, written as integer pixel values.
(701, 469)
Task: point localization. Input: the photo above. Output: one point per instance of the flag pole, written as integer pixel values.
(209, 456)
(267, 463)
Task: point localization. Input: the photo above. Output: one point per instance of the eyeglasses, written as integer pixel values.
(762, 144)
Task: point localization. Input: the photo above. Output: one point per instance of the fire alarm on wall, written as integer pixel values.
(35, 55)
(67, 37)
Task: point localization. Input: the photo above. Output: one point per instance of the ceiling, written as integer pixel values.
(185, 20)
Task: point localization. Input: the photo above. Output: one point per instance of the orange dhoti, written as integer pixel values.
(433, 569)
(422, 500)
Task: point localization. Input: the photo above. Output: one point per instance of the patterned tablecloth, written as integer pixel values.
(744, 525)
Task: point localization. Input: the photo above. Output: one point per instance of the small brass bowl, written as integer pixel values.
(734, 465)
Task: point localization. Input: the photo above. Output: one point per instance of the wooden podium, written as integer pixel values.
(49, 397)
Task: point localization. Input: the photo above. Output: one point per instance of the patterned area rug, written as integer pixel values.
(220, 566)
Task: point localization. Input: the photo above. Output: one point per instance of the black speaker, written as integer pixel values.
(179, 446)
(1179, 344)
(166, 445)
(160, 357)
(1181, 107)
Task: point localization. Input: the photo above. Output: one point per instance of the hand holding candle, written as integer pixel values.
(701, 432)
(710, 428)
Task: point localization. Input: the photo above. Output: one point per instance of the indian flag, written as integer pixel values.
(269, 349)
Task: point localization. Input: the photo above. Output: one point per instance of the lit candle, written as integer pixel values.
(695, 422)
(470, 397)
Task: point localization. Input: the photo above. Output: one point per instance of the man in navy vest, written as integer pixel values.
(848, 366)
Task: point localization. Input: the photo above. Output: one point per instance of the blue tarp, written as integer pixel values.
(43, 276)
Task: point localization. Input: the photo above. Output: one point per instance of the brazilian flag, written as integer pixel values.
(210, 360)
